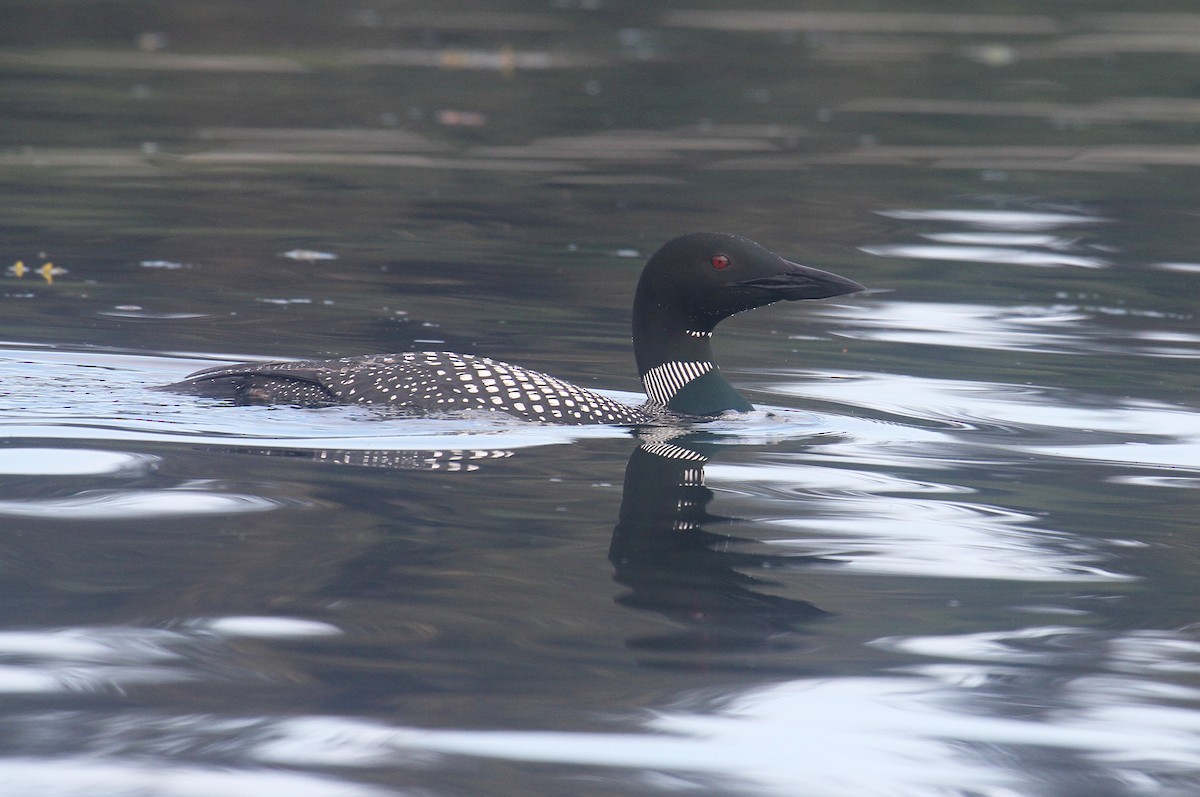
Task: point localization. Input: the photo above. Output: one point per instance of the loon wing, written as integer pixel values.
(281, 382)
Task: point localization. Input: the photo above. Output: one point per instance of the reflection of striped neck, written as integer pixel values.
(664, 381)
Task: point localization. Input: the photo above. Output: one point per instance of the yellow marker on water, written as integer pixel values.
(19, 269)
(48, 270)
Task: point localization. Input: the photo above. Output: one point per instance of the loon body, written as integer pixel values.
(687, 287)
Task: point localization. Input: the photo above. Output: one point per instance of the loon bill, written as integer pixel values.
(686, 288)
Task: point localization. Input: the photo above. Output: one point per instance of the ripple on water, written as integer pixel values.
(189, 499)
(1178, 482)
(998, 219)
(90, 660)
(1183, 268)
(1139, 652)
(847, 498)
(876, 530)
(72, 462)
(74, 776)
(1011, 238)
(1045, 329)
(943, 539)
(926, 729)
(1024, 411)
(111, 659)
(1183, 455)
(1005, 255)
(267, 627)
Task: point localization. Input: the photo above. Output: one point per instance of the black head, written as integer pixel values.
(699, 279)
(687, 287)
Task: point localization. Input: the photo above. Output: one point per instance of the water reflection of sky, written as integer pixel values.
(1019, 411)
(945, 724)
(863, 524)
(1059, 328)
(1014, 418)
(853, 500)
(1077, 324)
(924, 728)
(987, 497)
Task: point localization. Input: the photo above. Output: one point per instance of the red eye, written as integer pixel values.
(720, 262)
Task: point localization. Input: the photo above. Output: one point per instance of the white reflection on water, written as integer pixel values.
(845, 505)
(1184, 268)
(188, 499)
(1022, 409)
(1006, 255)
(1179, 455)
(268, 627)
(1044, 421)
(997, 219)
(1139, 652)
(1051, 329)
(944, 728)
(868, 522)
(1001, 239)
(1181, 482)
(72, 462)
(1012, 238)
(58, 661)
(99, 776)
(947, 539)
(853, 736)
(111, 659)
(1027, 328)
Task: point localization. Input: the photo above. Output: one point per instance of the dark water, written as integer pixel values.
(953, 553)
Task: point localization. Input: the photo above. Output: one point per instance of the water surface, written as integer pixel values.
(951, 553)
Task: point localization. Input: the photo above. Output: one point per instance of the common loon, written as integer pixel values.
(686, 288)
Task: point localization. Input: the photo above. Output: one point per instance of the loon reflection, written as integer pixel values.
(672, 565)
(664, 550)
(449, 460)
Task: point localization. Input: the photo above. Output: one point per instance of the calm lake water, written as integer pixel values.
(954, 552)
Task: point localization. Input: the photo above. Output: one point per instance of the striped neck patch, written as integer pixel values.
(668, 451)
(664, 381)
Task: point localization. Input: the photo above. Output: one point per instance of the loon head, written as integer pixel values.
(691, 284)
